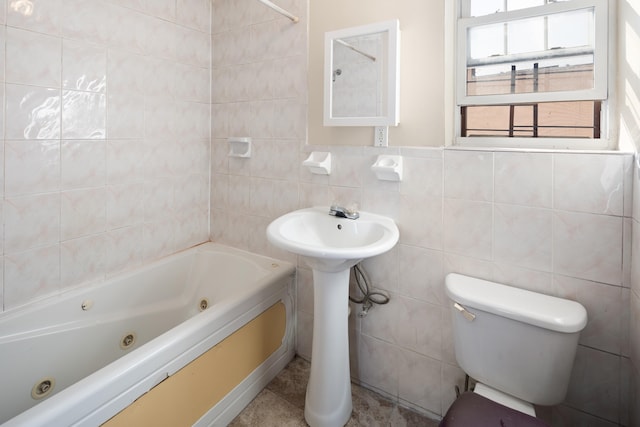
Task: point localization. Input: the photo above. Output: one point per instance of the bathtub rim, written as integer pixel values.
(96, 284)
(137, 372)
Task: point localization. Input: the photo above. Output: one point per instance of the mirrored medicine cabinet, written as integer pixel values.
(361, 75)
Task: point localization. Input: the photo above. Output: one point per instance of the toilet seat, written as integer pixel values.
(472, 409)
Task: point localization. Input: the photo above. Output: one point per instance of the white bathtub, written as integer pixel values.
(75, 338)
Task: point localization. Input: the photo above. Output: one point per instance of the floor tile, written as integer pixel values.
(281, 403)
(269, 409)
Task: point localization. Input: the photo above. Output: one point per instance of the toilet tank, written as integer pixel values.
(519, 342)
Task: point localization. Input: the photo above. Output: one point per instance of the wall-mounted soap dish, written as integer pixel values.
(239, 147)
(388, 168)
(318, 163)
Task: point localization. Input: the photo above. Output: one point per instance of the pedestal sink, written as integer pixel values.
(331, 246)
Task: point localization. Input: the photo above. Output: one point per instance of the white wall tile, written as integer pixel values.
(411, 333)
(31, 221)
(588, 246)
(523, 236)
(194, 14)
(125, 161)
(635, 257)
(276, 196)
(634, 328)
(32, 112)
(32, 167)
(83, 164)
(159, 199)
(83, 212)
(192, 47)
(125, 118)
(422, 176)
(34, 58)
(595, 391)
(126, 73)
(524, 178)
(468, 175)
(524, 278)
(82, 260)
(589, 183)
(123, 248)
(162, 38)
(304, 335)
(194, 84)
(604, 305)
(52, 155)
(125, 205)
(420, 221)
(627, 176)
(157, 239)
(419, 381)
(379, 364)
(30, 275)
(87, 20)
(383, 321)
(468, 228)
(2, 119)
(482, 269)
(128, 29)
(2, 282)
(84, 66)
(165, 9)
(383, 270)
(421, 274)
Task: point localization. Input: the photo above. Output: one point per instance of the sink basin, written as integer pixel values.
(331, 246)
(329, 240)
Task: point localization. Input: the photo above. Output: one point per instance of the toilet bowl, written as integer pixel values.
(518, 345)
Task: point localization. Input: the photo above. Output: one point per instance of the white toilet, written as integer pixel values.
(518, 345)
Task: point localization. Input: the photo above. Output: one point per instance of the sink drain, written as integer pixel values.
(203, 304)
(43, 388)
(127, 341)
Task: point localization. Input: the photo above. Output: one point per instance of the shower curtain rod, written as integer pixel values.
(355, 49)
(279, 10)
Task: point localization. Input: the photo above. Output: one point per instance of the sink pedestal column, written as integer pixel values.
(328, 400)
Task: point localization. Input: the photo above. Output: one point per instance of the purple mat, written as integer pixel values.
(473, 410)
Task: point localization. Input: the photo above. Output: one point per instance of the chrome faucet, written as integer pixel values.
(340, 212)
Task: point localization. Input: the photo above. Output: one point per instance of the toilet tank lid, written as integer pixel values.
(548, 312)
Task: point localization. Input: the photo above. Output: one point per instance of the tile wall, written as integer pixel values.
(105, 135)
(634, 301)
(555, 223)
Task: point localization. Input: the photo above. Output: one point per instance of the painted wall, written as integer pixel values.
(629, 109)
(422, 69)
(106, 138)
(556, 223)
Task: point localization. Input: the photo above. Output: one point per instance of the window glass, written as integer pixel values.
(570, 29)
(522, 4)
(488, 7)
(530, 69)
(571, 119)
(539, 54)
(526, 35)
(486, 41)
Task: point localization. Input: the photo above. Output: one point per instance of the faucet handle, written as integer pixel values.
(341, 212)
(352, 208)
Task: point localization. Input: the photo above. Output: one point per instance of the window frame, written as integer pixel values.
(600, 91)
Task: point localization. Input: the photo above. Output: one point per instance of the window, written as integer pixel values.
(532, 69)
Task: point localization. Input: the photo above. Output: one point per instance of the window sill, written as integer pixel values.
(535, 144)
